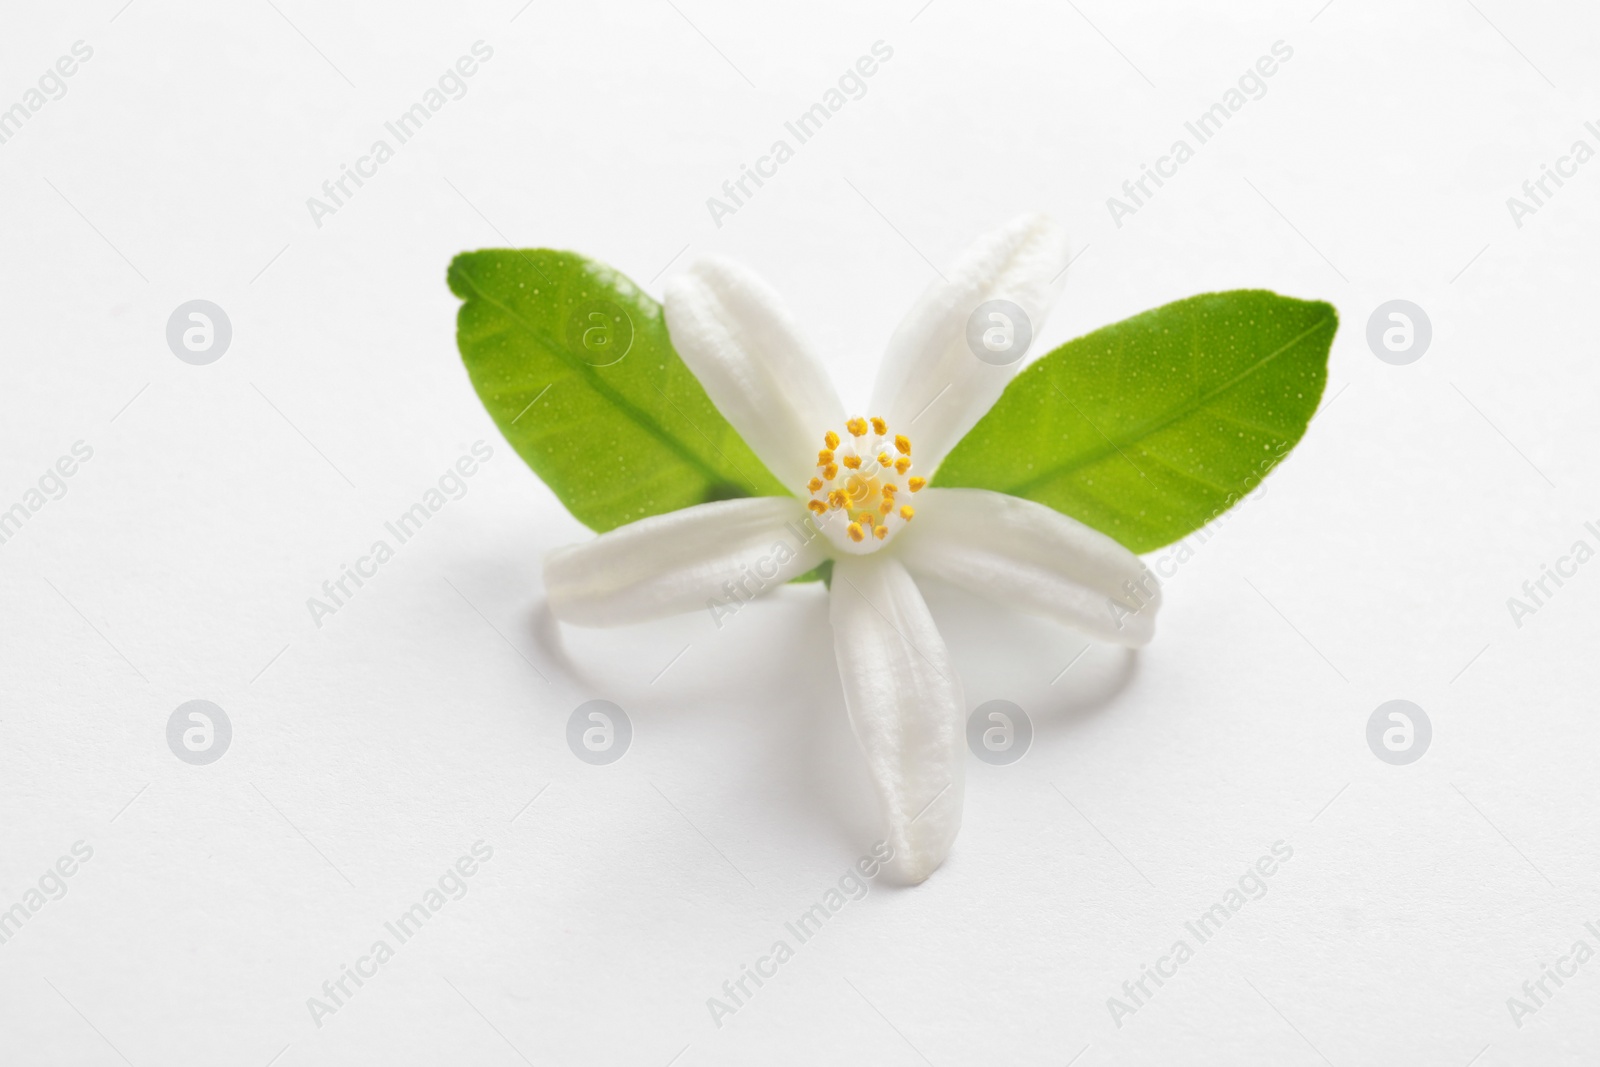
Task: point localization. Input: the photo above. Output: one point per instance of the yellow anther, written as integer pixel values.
(863, 494)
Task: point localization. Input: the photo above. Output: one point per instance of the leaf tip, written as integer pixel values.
(455, 275)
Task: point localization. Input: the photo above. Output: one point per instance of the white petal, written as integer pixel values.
(905, 705)
(677, 562)
(931, 387)
(737, 337)
(1035, 559)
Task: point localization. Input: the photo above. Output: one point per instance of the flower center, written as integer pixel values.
(862, 480)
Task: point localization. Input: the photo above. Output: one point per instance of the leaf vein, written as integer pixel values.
(585, 372)
(1154, 426)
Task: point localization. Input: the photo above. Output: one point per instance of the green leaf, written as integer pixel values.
(575, 366)
(1150, 428)
(822, 572)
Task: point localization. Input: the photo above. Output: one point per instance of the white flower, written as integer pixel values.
(862, 481)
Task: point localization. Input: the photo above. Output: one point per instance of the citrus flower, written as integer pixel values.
(862, 498)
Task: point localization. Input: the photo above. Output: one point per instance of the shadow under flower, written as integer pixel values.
(757, 708)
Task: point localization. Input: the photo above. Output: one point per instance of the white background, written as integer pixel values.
(369, 753)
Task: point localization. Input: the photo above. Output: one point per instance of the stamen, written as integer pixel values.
(866, 497)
